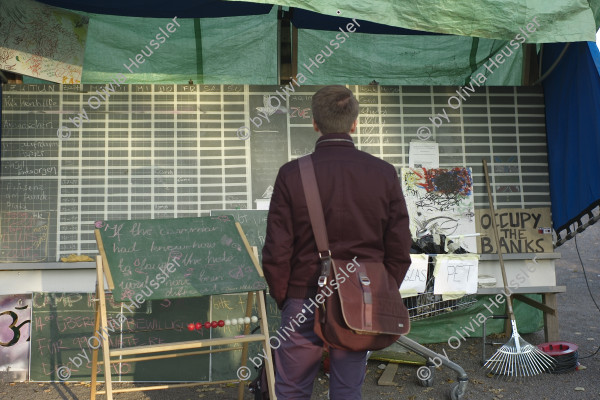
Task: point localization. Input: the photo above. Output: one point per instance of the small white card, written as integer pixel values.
(415, 280)
(455, 275)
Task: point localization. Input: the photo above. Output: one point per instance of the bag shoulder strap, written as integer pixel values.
(313, 202)
(315, 213)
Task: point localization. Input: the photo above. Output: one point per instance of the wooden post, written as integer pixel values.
(249, 305)
(103, 324)
(550, 320)
(264, 327)
(95, 351)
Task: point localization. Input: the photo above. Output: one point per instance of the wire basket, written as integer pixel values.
(426, 305)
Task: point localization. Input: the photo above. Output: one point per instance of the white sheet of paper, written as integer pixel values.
(423, 155)
(415, 280)
(455, 275)
(263, 204)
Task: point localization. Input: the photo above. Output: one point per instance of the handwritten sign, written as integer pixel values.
(520, 231)
(63, 32)
(415, 280)
(455, 275)
(171, 258)
(24, 236)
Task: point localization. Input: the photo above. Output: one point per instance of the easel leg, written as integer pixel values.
(95, 351)
(550, 321)
(264, 328)
(103, 325)
(249, 305)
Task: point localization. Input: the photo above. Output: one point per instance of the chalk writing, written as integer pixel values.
(24, 235)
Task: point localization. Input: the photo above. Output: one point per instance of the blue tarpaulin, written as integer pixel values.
(162, 9)
(572, 95)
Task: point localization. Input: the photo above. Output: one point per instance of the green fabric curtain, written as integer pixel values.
(407, 60)
(560, 20)
(232, 50)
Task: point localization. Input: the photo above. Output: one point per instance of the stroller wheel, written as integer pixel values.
(425, 375)
(456, 391)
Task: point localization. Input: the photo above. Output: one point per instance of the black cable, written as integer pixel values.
(565, 363)
(591, 355)
(589, 290)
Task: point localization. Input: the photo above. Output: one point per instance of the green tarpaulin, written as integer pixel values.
(232, 50)
(442, 328)
(406, 60)
(562, 21)
(208, 50)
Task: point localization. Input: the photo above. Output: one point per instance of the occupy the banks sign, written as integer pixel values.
(520, 230)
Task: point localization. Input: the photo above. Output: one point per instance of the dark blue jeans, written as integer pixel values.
(298, 358)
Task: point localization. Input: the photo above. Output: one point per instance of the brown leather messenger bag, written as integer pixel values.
(360, 304)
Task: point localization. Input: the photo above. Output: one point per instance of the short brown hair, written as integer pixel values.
(334, 109)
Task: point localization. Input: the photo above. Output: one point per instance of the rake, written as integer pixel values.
(516, 358)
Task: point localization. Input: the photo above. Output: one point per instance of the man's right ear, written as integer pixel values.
(315, 126)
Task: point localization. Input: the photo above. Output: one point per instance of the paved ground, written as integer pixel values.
(579, 323)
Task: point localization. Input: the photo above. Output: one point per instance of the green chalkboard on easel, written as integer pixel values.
(172, 258)
(254, 224)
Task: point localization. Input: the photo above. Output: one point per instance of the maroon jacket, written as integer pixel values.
(364, 210)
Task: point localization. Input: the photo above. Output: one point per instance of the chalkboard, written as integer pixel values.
(171, 258)
(63, 322)
(231, 306)
(268, 140)
(172, 151)
(24, 235)
(254, 224)
(302, 133)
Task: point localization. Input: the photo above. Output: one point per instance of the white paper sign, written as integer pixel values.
(455, 275)
(423, 155)
(415, 280)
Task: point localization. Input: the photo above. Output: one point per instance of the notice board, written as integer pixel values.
(171, 151)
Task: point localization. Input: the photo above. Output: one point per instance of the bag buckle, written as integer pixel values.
(321, 256)
(325, 257)
(365, 280)
(322, 281)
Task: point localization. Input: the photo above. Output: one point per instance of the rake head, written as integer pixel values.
(519, 359)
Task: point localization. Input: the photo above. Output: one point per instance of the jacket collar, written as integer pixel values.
(335, 139)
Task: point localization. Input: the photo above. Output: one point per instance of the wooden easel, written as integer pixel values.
(169, 350)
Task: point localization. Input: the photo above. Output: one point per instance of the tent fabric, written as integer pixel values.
(467, 322)
(304, 19)
(160, 9)
(404, 60)
(560, 21)
(595, 4)
(572, 96)
(238, 50)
